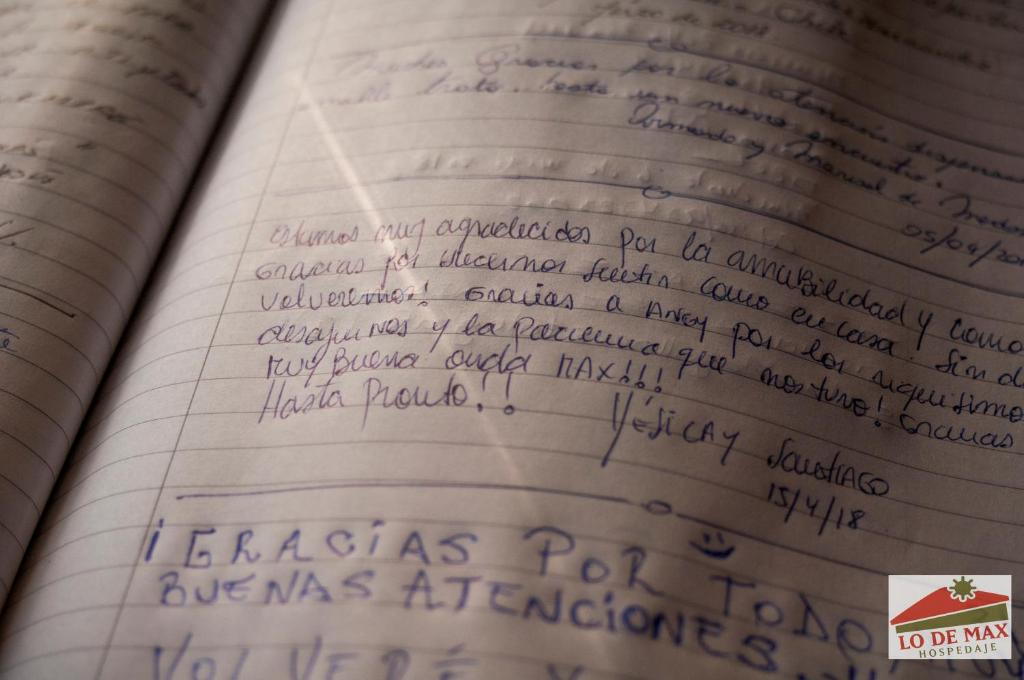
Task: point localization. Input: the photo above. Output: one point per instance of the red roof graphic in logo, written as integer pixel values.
(938, 602)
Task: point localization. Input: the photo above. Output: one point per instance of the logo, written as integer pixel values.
(949, 617)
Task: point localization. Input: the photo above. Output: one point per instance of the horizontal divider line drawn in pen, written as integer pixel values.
(37, 298)
(8, 238)
(655, 507)
(305, 487)
(540, 450)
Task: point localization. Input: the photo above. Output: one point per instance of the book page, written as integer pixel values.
(105, 108)
(563, 339)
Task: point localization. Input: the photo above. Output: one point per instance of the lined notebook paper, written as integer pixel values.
(105, 110)
(563, 340)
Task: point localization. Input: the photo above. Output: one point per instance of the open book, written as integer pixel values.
(554, 339)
